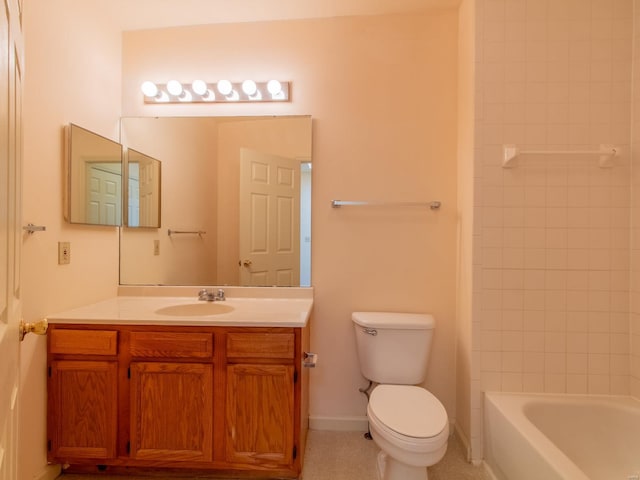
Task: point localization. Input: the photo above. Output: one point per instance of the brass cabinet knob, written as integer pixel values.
(39, 328)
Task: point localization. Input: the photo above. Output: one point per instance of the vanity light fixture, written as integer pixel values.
(223, 91)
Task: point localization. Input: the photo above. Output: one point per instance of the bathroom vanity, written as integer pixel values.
(134, 388)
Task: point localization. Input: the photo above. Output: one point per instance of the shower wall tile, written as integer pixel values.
(556, 237)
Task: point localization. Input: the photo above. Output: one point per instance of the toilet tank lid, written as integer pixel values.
(400, 321)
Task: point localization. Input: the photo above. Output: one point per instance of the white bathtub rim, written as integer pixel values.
(511, 409)
(512, 405)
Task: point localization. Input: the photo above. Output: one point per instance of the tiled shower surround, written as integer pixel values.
(554, 282)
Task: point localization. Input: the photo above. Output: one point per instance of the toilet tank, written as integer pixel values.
(393, 347)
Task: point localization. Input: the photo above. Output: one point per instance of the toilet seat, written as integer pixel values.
(410, 415)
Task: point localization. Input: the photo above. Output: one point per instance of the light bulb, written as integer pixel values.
(225, 87)
(249, 87)
(174, 87)
(199, 87)
(274, 87)
(149, 89)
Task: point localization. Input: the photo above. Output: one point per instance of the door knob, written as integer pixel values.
(39, 328)
(247, 263)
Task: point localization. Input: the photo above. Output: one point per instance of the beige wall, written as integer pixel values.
(382, 93)
(465, 189)
(72, 74)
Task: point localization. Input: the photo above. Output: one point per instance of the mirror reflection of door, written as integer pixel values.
(104, 193)
(143, 196)
(269, 219)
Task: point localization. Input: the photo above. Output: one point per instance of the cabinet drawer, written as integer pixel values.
(260, 345)
(171, 345)
(83, 342)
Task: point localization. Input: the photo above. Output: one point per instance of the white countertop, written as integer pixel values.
(142, 310)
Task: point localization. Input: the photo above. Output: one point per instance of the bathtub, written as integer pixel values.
(561, 437)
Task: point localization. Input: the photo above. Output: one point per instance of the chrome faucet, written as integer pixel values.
(209, 296)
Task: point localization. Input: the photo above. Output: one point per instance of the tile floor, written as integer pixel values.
(349, 456)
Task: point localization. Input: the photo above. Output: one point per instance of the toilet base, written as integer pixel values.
(390, 469)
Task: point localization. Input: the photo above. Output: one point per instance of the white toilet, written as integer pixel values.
(407, 422)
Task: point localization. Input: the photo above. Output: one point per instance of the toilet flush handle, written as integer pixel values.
(370, 331)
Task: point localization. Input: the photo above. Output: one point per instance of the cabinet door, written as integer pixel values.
(172, 411)
(83, 404)
(260, 414)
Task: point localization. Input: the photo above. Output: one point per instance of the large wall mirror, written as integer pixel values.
(236, 202)
(94, 178)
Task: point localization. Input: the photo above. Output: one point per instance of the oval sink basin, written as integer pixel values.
(195, 309)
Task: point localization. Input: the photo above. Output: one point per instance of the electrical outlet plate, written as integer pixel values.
(156, 247)
(64, 253)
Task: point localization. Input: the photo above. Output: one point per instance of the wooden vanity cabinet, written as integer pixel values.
(171, 396)
(260, 398)
(207, 399)
(83, 394)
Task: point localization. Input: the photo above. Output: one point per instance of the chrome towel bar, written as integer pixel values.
(435, 205)
(30, 228)
(182, 232)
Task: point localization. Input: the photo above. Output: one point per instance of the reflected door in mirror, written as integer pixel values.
(269, 219)
(143, 198)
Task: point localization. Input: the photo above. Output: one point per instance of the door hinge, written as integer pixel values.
(129, 372)
(128, 447)
(295, 452)
(295, 376)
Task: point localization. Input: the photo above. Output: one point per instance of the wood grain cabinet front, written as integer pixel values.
(82, 406)
(171, 411)
(260, 414)
(171, 400)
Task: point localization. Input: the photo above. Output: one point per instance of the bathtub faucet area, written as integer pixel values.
(209, 296)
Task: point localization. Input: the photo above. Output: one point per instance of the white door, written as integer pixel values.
(269, 220)
(104, 194)
(10, 233)
(148, 192)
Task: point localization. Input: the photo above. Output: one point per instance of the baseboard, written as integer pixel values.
(49, 473)
(339, 424)
(466, 444)
(489, 471)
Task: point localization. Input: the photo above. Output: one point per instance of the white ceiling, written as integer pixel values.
(144, 14)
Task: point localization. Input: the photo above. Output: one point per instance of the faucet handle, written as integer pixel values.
(220, 295)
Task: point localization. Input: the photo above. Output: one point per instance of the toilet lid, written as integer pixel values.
(408, 410)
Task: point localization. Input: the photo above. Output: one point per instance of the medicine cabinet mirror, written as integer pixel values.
(236, 202)
(94, 178)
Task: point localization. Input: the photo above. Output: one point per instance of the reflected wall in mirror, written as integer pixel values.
(143, 190)
(94, 178)
(236, 194)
